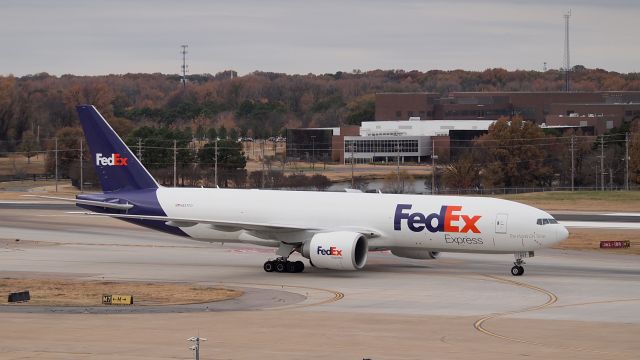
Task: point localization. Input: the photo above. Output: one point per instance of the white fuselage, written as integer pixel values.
(437, 223)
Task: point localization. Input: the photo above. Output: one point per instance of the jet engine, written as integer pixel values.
(419, 254)
(339, 250)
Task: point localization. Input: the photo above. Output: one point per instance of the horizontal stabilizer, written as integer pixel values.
(102, 204)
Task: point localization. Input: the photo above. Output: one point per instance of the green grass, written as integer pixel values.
(623, 196)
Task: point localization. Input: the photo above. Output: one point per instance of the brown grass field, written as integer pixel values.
(589, 239)
(14, 164)
(54, 292)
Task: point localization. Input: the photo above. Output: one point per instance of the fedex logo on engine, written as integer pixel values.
(332, 251)
(113, 160)
(448, 220)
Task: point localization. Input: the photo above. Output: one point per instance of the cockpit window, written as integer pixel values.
(546, 221)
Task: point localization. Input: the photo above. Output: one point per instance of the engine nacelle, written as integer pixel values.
(338, 250)
(419, 254)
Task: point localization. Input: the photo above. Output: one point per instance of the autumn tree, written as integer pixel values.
(461, 174)
(634, 155)
(510, 155)
(29, 145)
(68, 150)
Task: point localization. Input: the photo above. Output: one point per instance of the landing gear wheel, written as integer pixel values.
(268, 266)
(299, 266)
(291, 267)
(517, 270)
(280, 267)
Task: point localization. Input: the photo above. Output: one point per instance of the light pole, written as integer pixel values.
(433, 167)
(81, 167)
(313, 153)
(196, 346)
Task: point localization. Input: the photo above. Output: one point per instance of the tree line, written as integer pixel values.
(259, 104)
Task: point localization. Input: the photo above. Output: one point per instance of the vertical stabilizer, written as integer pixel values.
(116, 166)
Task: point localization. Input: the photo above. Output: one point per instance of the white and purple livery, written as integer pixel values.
(333, 230)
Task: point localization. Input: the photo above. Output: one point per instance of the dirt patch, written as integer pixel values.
(589, 239)
(56, 292)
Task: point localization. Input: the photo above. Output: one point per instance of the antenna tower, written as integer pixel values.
(567, 58)
(184, 66)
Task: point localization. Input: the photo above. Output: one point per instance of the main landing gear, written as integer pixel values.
(283, 265)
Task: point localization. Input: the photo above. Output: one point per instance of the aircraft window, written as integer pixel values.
(545, 221)
(553, 221)
(539, 222)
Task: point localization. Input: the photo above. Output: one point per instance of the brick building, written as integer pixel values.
(604, 109)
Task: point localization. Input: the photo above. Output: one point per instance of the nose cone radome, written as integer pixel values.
(563, 233)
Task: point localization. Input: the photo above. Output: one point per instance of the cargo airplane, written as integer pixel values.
(334, 230)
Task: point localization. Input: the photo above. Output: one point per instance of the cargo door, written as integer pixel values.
(501, 223)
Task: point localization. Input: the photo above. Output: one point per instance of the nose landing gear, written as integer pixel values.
(517, 269)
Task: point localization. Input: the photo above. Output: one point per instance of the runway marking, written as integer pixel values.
(551, 299)
(337, 295)
(595, 303)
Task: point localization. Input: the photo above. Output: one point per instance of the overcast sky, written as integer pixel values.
(88, 37)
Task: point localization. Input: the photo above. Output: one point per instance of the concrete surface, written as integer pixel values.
(568, 305)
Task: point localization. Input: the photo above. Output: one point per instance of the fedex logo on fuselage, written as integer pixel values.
(448, 220)
(332, 251)
(113, 160)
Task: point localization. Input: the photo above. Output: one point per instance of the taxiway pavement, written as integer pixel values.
(569, 304)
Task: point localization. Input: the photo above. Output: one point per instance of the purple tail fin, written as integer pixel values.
(116, 166)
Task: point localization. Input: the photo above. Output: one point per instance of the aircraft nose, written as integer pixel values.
(562, 233)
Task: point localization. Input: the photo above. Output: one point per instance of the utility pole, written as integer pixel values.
(56, 154)
(263, 174)
(140, 149)
(184, 66)
(610, 179)
(175, 151)
(567, 59)
(81, 167)
(215, 166)
(352, 163)
(573, 165)
(602, 163)
(626, 161)
(196, 346)
(398, 157)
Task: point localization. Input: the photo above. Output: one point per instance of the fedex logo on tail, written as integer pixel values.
(448, 220)
(332, 251)
(113, 160)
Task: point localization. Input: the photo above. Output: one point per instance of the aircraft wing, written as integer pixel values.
(227, 226)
